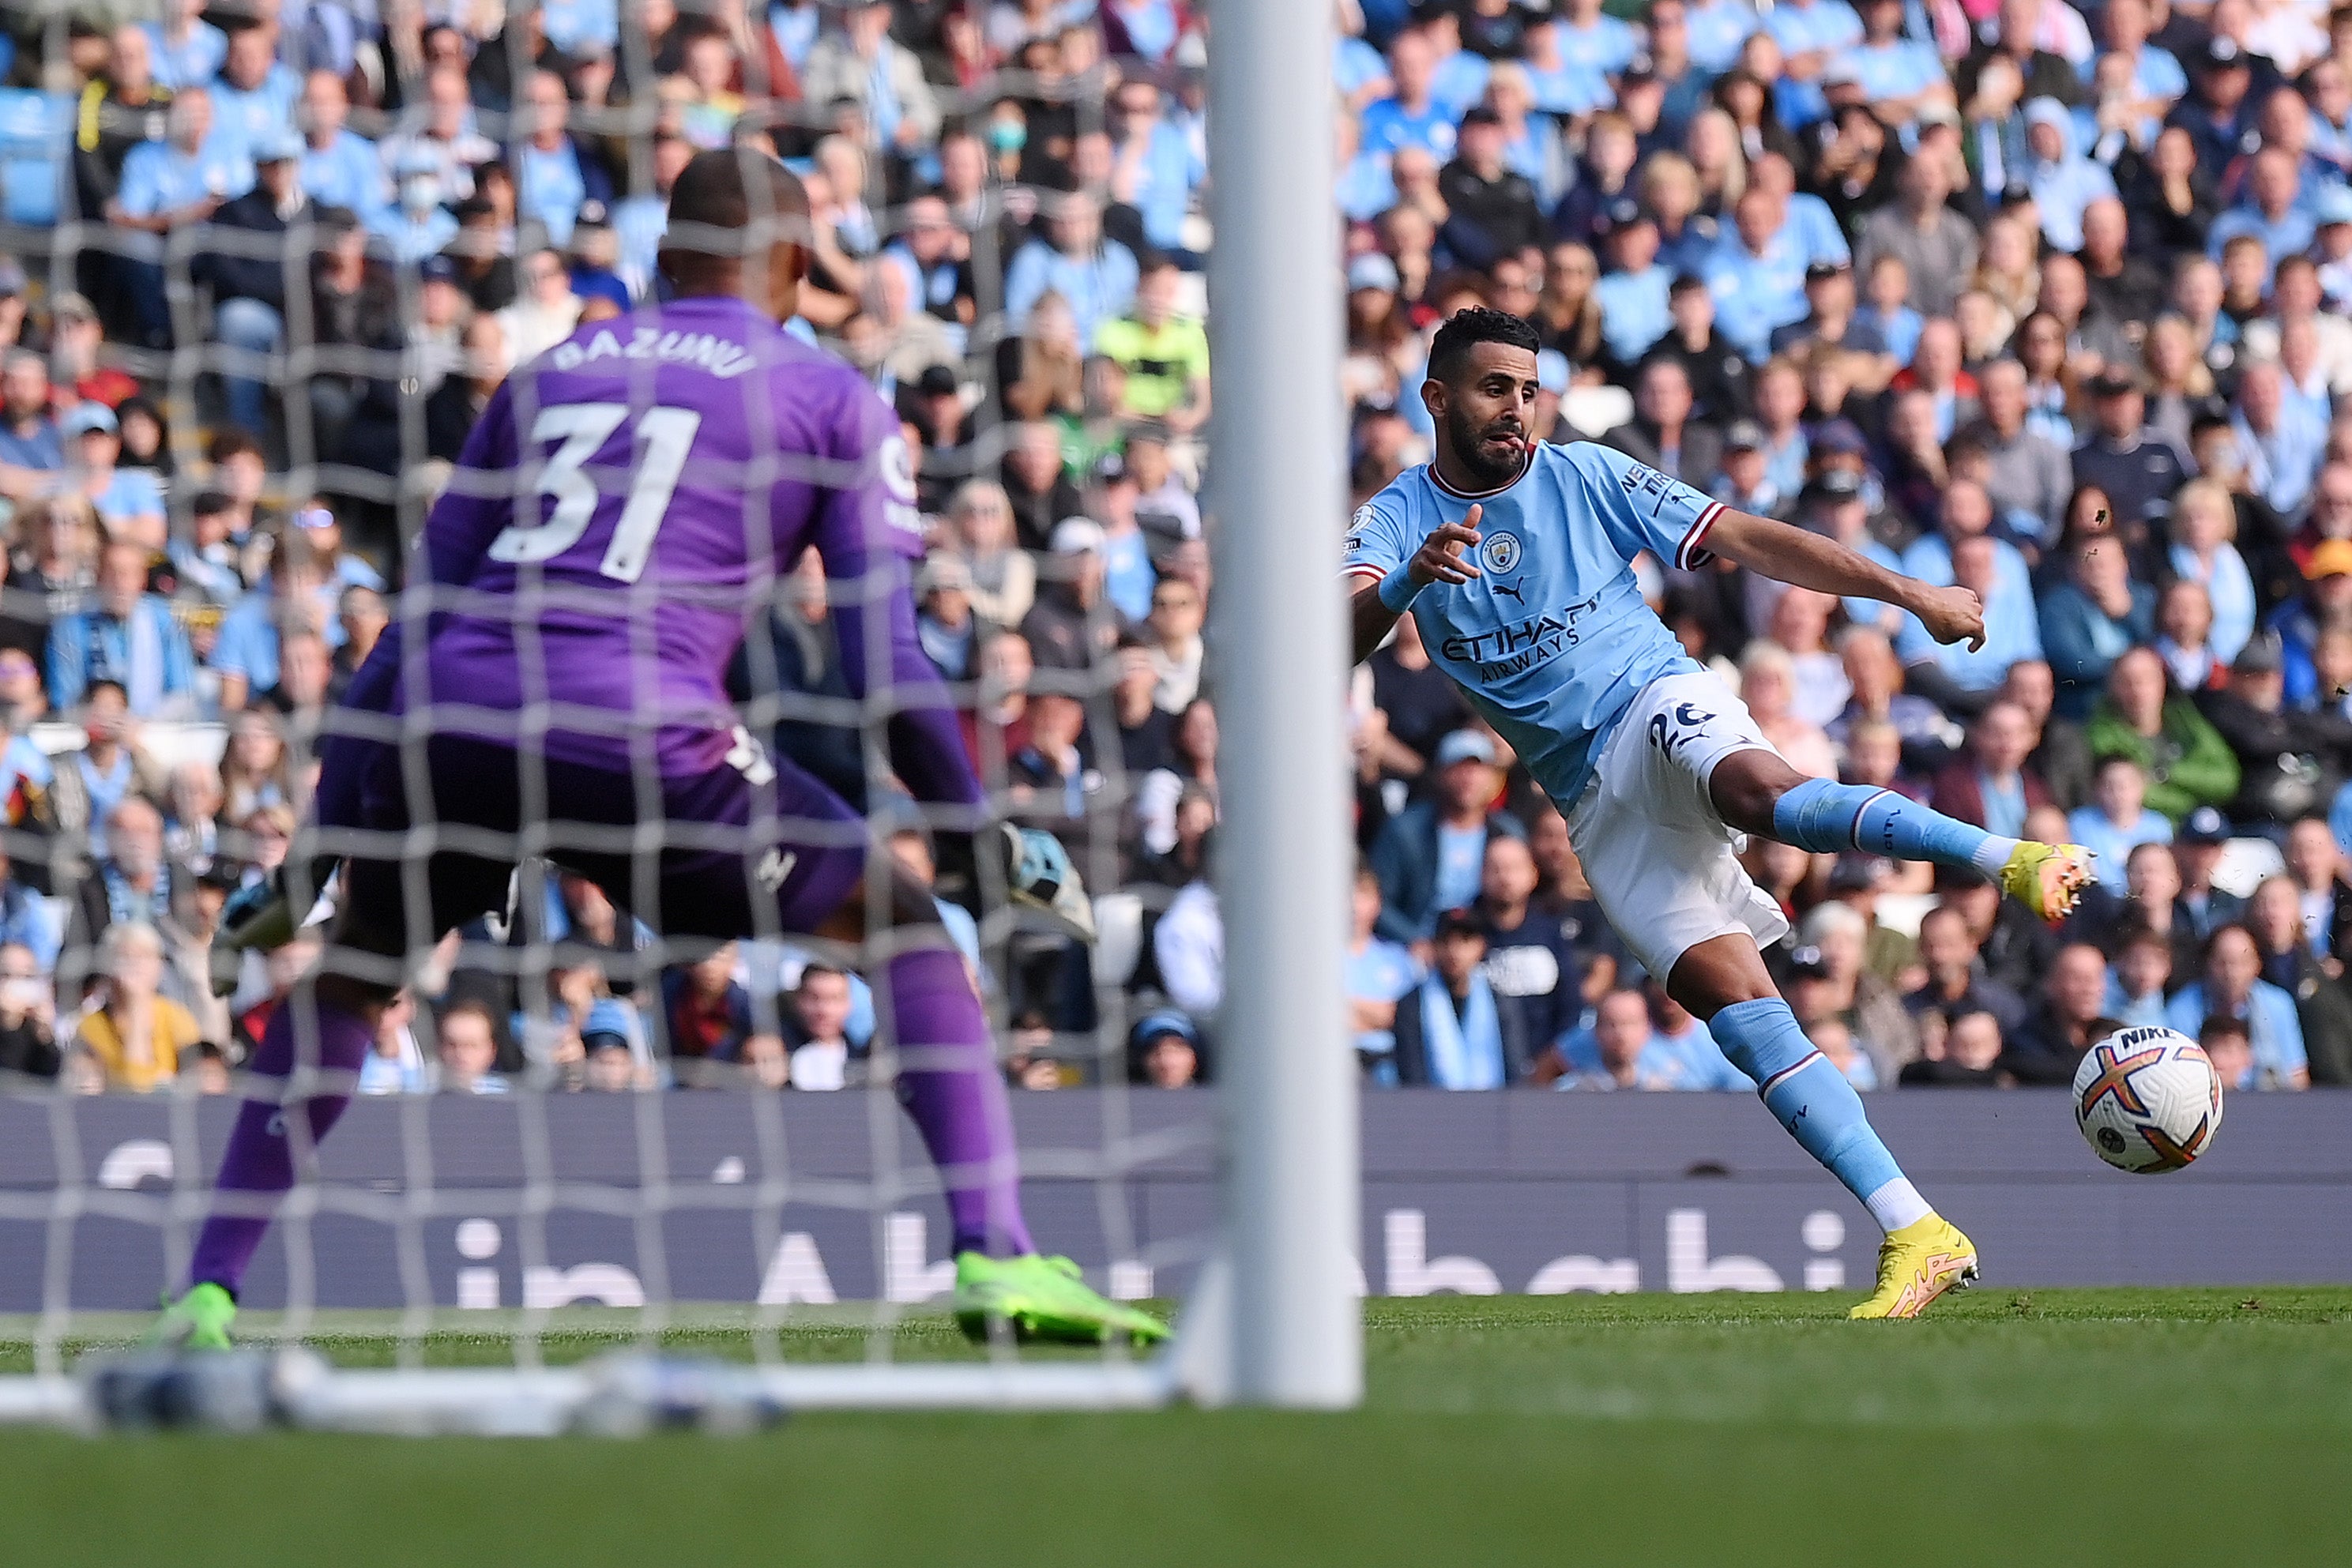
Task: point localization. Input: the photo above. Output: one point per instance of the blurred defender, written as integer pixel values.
(1514, 558)
(622, 506)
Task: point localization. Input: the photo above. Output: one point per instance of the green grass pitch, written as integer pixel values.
(2064, 1426)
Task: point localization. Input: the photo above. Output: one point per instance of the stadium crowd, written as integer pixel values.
(2048, 301)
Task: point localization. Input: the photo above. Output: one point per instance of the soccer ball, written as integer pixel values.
(2146, 1100)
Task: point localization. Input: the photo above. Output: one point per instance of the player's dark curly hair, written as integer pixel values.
(1465, 330)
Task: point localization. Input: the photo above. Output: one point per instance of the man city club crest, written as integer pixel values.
(1500, 552)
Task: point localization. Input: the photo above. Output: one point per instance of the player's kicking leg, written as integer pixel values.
(1756, 791)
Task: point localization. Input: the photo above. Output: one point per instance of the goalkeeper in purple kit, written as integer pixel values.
(624, 504)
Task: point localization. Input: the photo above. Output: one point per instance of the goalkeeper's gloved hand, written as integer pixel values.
(1038, 875)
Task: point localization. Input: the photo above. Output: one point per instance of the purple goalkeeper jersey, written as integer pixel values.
(622, 510)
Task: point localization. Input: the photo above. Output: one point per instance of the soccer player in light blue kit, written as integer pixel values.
(1515, 558)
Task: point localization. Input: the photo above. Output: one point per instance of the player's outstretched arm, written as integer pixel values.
(1378, 606)
(1805, 560)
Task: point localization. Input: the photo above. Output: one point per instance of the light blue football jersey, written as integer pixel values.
(1551, 641)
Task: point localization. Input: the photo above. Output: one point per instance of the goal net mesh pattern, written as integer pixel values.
(649, 1131)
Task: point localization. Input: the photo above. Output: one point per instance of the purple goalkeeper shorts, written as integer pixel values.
(754, 849)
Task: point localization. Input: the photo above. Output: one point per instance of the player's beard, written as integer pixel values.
(1468, 441)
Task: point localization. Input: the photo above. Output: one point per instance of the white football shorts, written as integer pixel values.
(1661, 861)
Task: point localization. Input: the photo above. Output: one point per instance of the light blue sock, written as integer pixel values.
(1813, 1100)
(1828, 818)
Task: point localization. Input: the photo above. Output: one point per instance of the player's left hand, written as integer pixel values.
(1953, 615)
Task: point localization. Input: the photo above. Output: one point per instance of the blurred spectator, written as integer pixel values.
(1963, 1055)
(1956, 675)
(1165, 355)
(544, 313)
(110, 767)
(2184, 635)
(2289, 763)
(396, 1063)
(2185, 761)
(361, 615)
(555, 174)
(1174, 643)
(2204, 835)
(860, 61)
(1846, 990)
(1158, 167)
(1619, 1043)
(1096, 276)
(1378, 973)
(450, 411)
(2275, 920)
(2143, 968)
(135, 1035)
(2030, 476)
(129, 502)
(28, 1046)
(1070, 626)
(2133, 463)
(1663, 435)
(1873, 679)
(75, 346)
(1003, 576)
(246, 655)
(2232, 986)
(822, 1056)
(1053, 778)
(1040, 495)
(248, 274)
(1528, 955)
(2117, 819)
(1936, 247)
(2279, 445)
(2318, 868)
(1165, 1052)
(1430, 856)
(1164, 504)
(1456, 1031)
(706, 1013)
(1189, 946)
(949, 630)
(2204, 521)
(465, 1051)
(30, 444)
(2230, 1047)
(2074, 1001)
(1768, 685)
(128, 637)
(1191, 768)
(1958, 984)
(2091, 618)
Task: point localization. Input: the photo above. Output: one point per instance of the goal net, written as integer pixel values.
(279, 260)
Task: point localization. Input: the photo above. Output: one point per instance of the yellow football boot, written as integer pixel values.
(1919, 1263)
(2047, 878)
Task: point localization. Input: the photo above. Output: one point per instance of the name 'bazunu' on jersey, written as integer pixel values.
(1551, 641)
(624, 505)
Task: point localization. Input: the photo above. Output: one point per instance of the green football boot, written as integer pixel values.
(199, 1320)
(1042, 1299)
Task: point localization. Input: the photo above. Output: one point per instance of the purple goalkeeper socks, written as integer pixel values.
(260, 1158)
(949, 1083)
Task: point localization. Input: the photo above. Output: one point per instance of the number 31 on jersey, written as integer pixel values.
(582, 429)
